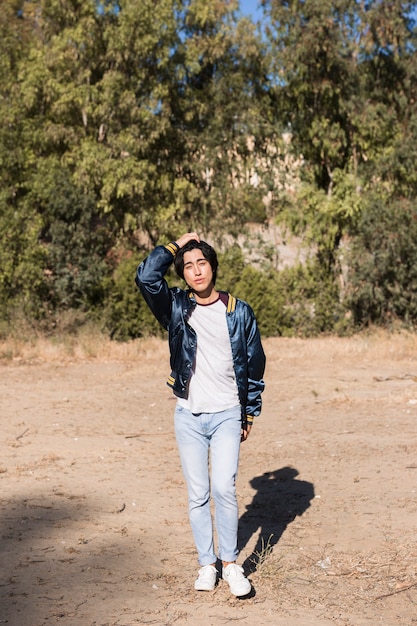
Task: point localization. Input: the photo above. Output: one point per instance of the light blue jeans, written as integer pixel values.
(211, 441)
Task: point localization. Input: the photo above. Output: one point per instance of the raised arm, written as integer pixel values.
(150, 277)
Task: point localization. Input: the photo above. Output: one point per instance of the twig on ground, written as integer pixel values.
(393, 593)
(383, 379)
(143, 435)
(230, 619)
(22, 435)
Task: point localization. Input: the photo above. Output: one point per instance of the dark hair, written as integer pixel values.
(209, 253)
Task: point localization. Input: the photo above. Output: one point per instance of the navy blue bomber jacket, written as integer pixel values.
(172, 307)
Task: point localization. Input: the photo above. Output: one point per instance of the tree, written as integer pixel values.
(150, 107)
(22, 257)
(219, 114)
(344, 76)
(129, 118)
(382, 264)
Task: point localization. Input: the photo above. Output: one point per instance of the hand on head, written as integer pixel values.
(186, 238)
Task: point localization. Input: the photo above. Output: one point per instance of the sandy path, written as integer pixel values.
(93, 520)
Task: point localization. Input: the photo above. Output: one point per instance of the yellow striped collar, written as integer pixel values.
(231, 304)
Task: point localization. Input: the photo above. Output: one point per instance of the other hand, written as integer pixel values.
(245, 432)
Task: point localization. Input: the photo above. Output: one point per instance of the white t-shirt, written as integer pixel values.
(212, 386)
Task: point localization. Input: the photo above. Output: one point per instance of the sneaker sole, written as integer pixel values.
(204, 588)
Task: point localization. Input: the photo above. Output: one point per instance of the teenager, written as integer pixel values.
(217, 364)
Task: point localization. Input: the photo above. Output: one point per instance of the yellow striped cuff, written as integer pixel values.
(172, 247)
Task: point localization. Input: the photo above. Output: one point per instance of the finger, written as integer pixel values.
(181, 241)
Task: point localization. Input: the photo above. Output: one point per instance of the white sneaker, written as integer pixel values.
(206, 580)
(238, 583)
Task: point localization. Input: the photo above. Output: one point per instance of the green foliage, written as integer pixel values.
(133, 125)
(78, 243)
(383, 265)
(295, 302)
(314, 301)
(23, 263)
(345, 88)
(301, 300)
(125, 314)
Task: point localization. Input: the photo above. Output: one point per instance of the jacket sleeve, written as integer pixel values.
(256, 366)
(152, 284)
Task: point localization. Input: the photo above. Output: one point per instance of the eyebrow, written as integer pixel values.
(202, 258)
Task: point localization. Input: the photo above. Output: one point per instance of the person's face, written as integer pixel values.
(197, 272)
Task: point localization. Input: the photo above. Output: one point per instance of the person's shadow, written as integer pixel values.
(279, 499)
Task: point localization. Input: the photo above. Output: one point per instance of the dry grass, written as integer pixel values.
(333, 582)
(93, 345)
(375, 344)
(263, 559)
(369, 578)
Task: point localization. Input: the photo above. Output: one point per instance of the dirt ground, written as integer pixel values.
(93, 513)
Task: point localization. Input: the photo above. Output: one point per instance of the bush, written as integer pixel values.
(382, 261)
(78, 241)
(23, 280)
(299, 300)
(126, 314)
